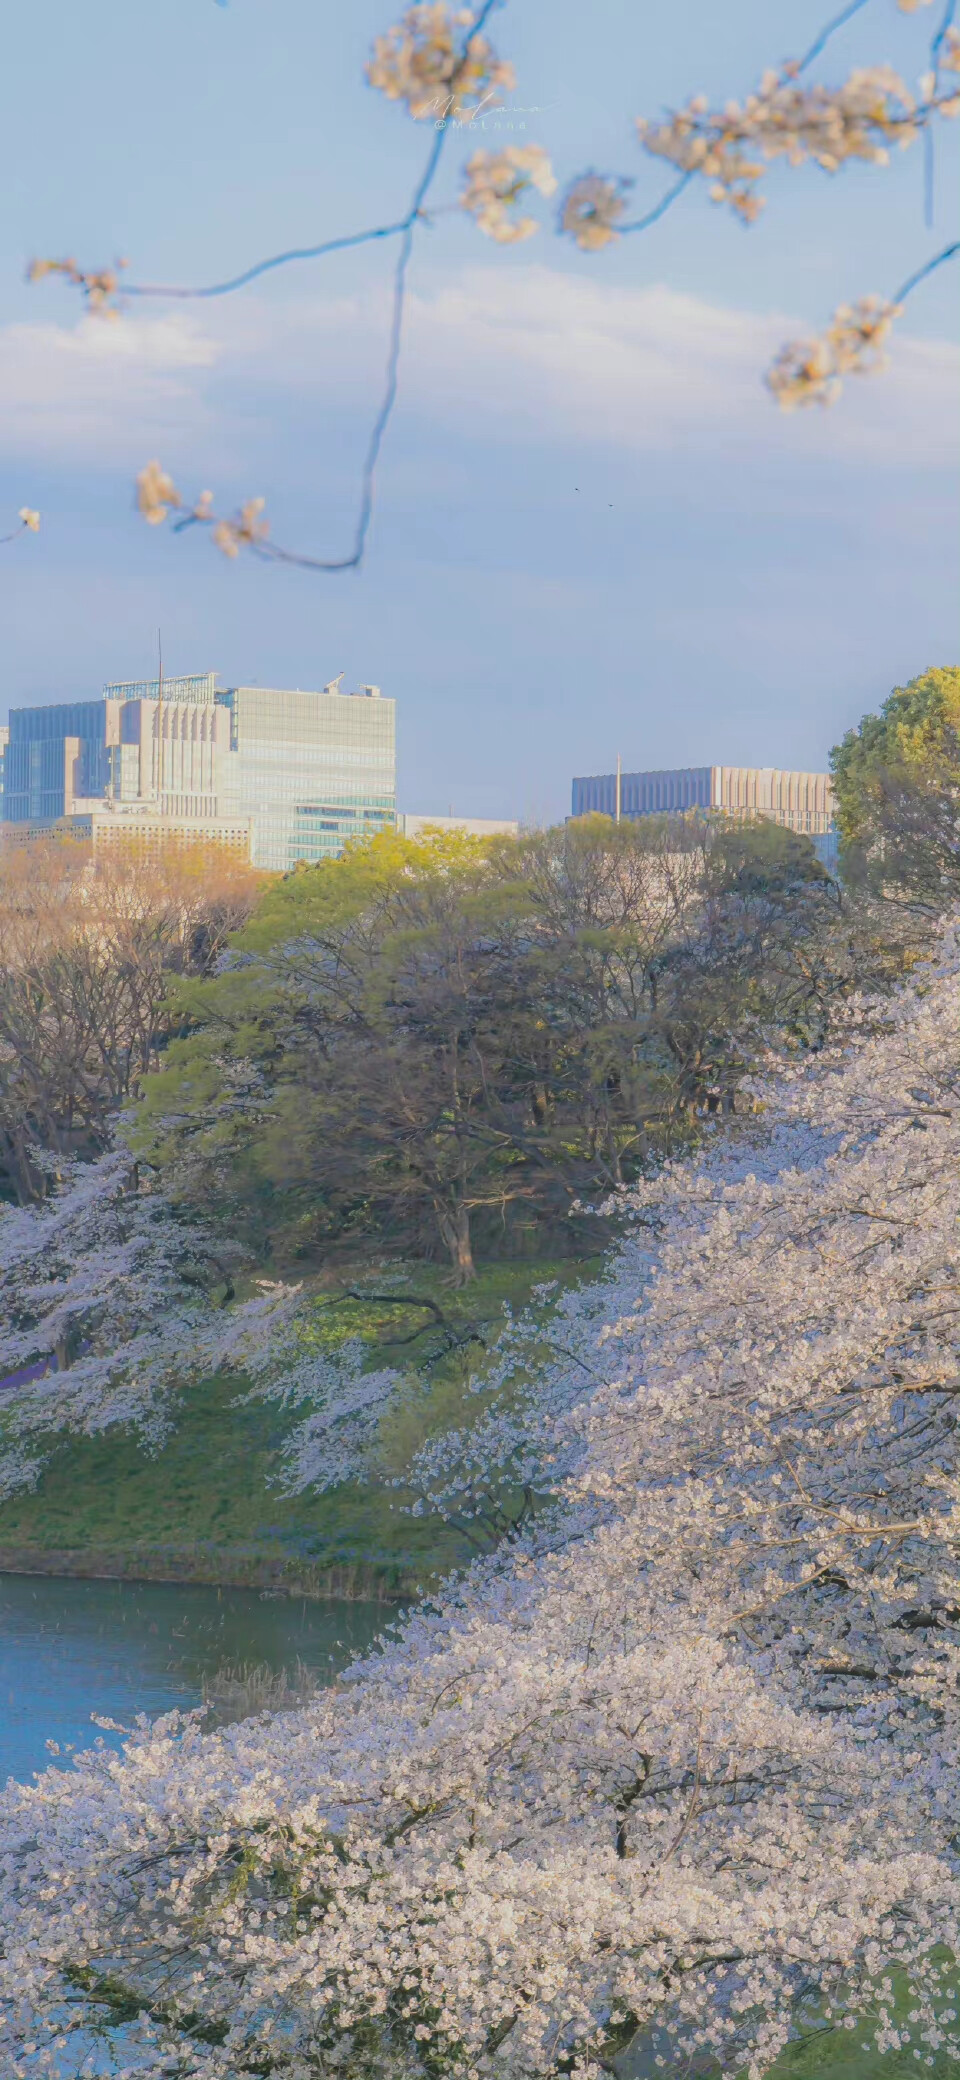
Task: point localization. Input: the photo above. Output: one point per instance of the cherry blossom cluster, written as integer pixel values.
(99, 286)
(339, 1440)
(109, 1306)
(732, 147)
(811, 371)
(671, 1774)
(592, 210)
(423, 62)
(517, 1445)
(158, 497)
(494, 182)
(92, 1306)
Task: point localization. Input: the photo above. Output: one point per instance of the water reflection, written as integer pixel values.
(69, 1648)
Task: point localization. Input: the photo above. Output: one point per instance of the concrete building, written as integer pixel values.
(472, 826)
(141, 830)
(801, 801)
(297, 772)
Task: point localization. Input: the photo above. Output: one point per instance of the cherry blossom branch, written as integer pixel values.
(594, 204)
(937, 47)
(423, 63)
(660, 208)
(248, 527)
(929, 267)
(811, 371)
(274, 260)
(29, 524)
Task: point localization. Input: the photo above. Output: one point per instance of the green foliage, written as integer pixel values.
(897, 783)
(444, 1045)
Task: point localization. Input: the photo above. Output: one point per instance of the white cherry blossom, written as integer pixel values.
(677, 1764)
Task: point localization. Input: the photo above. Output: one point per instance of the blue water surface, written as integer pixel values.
(69, 1648)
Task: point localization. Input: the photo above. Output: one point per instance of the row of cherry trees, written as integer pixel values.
(677, 1769)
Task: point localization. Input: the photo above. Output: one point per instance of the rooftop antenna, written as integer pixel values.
(618, 790)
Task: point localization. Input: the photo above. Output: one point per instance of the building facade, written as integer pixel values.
(801, 801)
(310, 770)
(471, 826)
(299, 772)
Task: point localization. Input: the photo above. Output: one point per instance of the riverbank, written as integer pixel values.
(351, 1582)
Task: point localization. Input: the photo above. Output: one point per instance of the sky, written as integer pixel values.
(594, 533)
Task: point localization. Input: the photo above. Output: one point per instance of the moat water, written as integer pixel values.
(70, 1648)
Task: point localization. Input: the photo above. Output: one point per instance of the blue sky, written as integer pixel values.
(594, 532)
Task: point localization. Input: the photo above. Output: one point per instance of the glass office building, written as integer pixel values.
(304, 770)
(310, 769)
(50, 752)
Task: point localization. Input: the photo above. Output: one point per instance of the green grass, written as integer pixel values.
(828, 2058)
(203, 1508)
(833, 2055)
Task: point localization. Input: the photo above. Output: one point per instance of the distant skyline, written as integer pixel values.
(594, 534)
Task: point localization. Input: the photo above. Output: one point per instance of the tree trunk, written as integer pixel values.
(454, 1225)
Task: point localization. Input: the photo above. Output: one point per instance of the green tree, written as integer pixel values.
(443, 1042)
(351, 1060)
(897, 782)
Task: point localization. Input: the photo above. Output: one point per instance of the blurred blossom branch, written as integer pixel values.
(158, 498)
(811, 371)
(29, 524)
(420, 62)
(439, 64)
(495, 181)
(98, 286)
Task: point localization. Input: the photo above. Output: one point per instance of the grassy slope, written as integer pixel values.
(203, 1507)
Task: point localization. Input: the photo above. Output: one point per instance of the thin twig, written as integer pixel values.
(660, 209)
(405, 229)
(820, 42)
(946, 23)
(906, 289)
(261, 267)
(929, 155)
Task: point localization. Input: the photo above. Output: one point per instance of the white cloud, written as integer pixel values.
(93, 391)
(531, 354)
(541, 355)
(651, 369)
